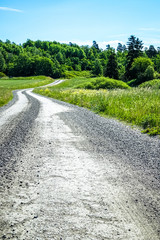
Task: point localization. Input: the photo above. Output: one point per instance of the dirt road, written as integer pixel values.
(68, 174)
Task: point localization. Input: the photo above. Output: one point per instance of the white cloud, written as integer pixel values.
(152, 41)
(78, 42)
(113, 44)
(149, 29)
(10, 9)
(101, 44)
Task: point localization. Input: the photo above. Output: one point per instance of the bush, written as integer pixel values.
(154, 84)
(142, 69)
(149, 73)
(104, 83)
(2, 75)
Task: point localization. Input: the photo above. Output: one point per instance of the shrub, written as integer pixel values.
(104, 83)
(149, 73)
(154, 84)
(142, 69)
(2, 75)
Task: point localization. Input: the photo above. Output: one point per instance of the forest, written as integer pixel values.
(131, 63)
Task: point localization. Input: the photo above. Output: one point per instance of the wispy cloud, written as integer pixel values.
(102, 44)
(149, 29)
(10, 9)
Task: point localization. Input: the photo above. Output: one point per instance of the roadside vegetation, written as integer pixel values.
(123, 83)
(7, 85)
(137, 106)
(104, 83)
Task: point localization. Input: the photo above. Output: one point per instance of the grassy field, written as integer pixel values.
(75, 74)
(91, 83)
(7, 85)
(137, 106)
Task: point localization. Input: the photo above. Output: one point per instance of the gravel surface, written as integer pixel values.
(69, 174)
(54, 83)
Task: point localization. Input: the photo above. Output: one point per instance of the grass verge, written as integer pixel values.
(137, 106)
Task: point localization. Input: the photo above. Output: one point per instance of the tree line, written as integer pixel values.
(127, 62)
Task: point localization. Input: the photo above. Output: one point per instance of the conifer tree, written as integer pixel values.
(134, 50)
(111, 69)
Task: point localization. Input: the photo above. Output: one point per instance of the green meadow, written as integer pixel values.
(9, 84)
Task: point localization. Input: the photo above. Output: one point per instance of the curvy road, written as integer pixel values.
(69, 174)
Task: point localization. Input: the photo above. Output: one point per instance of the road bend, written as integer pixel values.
(69, 174)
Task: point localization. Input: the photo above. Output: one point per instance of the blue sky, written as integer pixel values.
(106, 21)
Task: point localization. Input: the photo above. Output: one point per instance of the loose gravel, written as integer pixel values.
(68, 173)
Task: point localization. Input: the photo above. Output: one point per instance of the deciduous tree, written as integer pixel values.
(97, 69)
(2, 63)
(143, 69)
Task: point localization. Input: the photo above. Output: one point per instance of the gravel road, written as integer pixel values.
(69, 174)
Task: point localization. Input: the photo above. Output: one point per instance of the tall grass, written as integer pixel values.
(139, 107)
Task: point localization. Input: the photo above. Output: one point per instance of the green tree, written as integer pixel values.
(156, 61)
(95, 45)
(29, 43)
(108, 47)
(38, 44)
(143, 69)
(149, 73)
(91, 55)
(111, 69)
(119, 47)
(57, 69)
(135, 47)
(44, 66)
(2, 63)
(86, 64)
(22, 65)
(151, 52)
(60, 58)
(97, 68)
